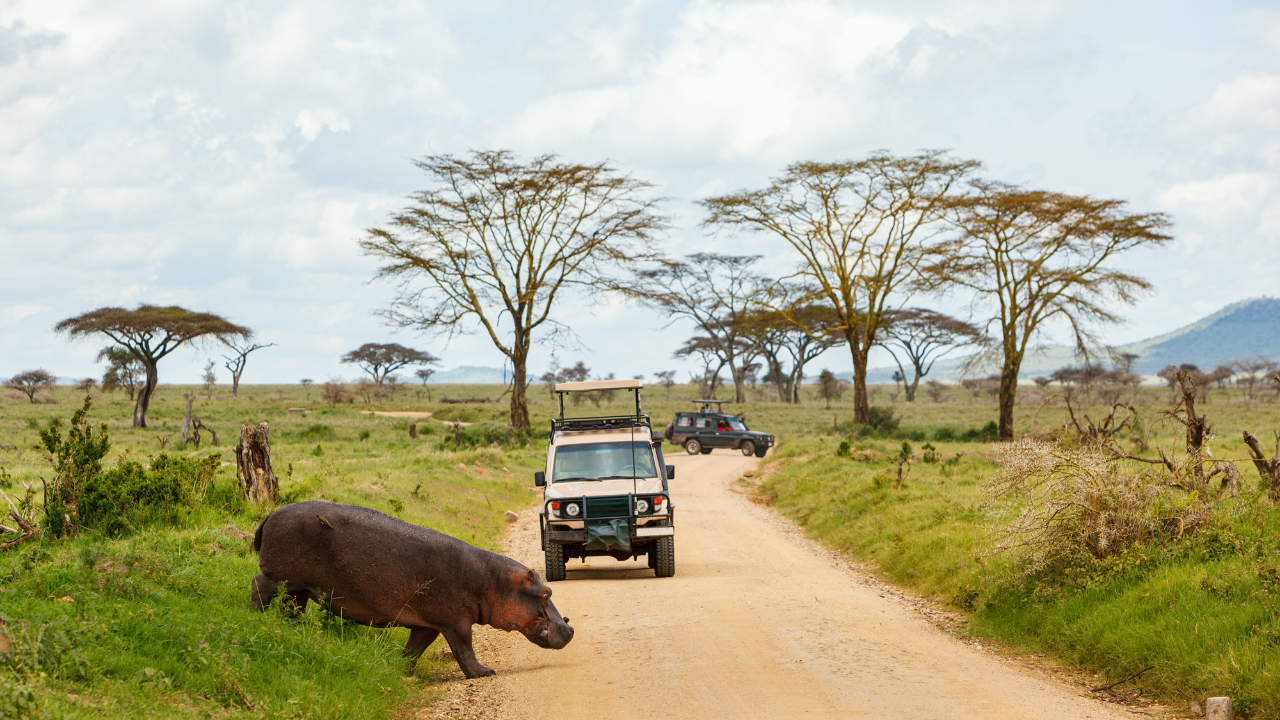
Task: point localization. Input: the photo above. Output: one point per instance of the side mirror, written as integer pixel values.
(540, 478)
(671, 472)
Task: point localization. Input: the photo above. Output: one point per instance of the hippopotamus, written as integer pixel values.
(375, 570)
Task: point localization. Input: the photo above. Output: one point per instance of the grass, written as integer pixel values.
(157, 622)
(1204, 609)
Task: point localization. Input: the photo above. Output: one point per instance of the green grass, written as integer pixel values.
(158, 621)
(1204, 609)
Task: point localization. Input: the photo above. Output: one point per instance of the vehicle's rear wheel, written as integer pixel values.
(761, 451)
(664, 557)
(692, 446)
(706, 451)
(748, 448)
(555, 562)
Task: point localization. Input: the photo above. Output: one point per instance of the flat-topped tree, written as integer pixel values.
(150, 333)
(496, 240)
(379, 361)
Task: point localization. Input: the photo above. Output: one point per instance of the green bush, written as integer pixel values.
(76, 459)
(318, 431)
(130, 495)
(486, 434)
(456, 413)
(882, 420)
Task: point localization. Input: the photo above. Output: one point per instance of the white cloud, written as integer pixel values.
(228, 156)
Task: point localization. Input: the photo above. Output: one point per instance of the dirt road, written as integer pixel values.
(755, 624)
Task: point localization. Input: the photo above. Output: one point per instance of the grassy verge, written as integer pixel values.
(156, 622)
(1204, 609)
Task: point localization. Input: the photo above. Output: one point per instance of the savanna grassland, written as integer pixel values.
(154, 619)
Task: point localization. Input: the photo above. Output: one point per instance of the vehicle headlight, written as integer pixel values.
(642, 506)
(572, 509)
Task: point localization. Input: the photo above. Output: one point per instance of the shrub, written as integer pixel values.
(883, 420)
(130, 495)
(76, 459)
(989, 433)
(945, 434)
(1052, 503)
(318, 431)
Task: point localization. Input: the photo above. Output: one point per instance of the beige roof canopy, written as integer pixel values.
(590, 385)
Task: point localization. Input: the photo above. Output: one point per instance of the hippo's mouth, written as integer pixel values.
(549, 635)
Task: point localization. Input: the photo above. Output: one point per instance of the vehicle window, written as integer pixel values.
(600, 461)
(685, 421)
(737, 425)
(722, 426)
(704, 422)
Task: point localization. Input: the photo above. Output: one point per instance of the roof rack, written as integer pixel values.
(607, 422)
(599, 422)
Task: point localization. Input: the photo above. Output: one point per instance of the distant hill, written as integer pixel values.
(1241, 330)
(471, 375)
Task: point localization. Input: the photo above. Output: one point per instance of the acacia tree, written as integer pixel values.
(717, 293)
(237, 360)
(124, 370)
(497, 241)
(150, 332)
(863, 230)
(1038, 256)
(792, 336)
(920, 337)
(30, 382)
(379, 361)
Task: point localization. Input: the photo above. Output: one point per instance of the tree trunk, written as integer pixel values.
(253, 464)
(519, 398)
(1268, 470)
(861, 402)
(1008, 394)
(235, 387)
(144, 394)
(185, 433)
(911, 388)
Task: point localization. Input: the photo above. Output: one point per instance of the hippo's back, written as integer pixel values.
(353, 552)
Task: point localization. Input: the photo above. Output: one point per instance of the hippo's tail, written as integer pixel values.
(257, 535)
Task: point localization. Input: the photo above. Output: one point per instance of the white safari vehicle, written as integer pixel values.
(605, 487)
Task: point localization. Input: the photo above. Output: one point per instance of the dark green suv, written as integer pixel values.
(707, 429)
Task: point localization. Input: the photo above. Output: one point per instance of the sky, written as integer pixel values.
(228, 156)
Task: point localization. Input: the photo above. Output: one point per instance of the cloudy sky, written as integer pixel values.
(226, 156)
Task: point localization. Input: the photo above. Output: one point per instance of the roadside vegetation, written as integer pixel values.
(146, 611)
(1187, 579)
(141, 608)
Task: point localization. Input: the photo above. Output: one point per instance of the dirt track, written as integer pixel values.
(757, 623)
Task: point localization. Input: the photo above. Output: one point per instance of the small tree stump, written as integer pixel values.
(413, 431)
(1218, 708)
(253, 464)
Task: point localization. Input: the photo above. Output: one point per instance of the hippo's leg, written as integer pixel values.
(261, 592)
(419, 640)
(459, 640)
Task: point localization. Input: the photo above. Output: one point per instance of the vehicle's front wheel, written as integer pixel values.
(664, 557)
(555, 562)
(748, 448)
(706, 451)
(761, 451)
(692, 446)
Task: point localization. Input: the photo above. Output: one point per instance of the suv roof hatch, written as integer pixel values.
(602, 422)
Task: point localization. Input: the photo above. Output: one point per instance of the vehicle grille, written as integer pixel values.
(607, 507)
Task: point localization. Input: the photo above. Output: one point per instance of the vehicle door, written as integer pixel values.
(724, 435)
(704, 429)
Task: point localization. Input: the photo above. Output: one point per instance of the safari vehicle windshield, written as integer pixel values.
(603, 461)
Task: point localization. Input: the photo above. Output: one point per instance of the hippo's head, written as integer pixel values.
(540, 621)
